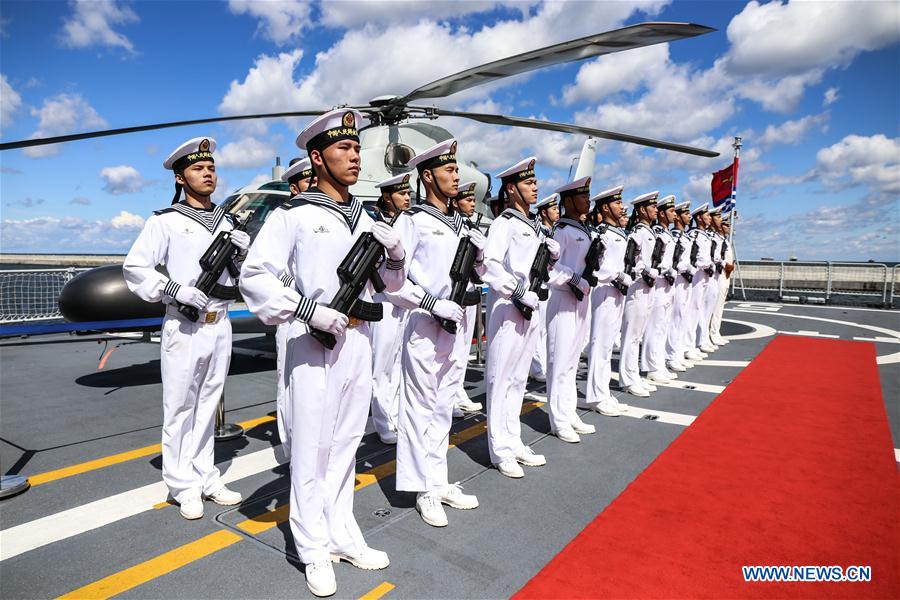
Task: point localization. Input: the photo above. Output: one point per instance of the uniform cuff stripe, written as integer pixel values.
(171, 288)
(305, 309)
(520, 291)
(575, 279)
(428, 302)
(395, 265)
(287, 280)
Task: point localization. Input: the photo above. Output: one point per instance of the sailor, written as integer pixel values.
(640, 294)
(712, 288)
(329, 389)
(721, 277)
(387, 333)
(464, 204)
(653, 355)
(676, 337)
(727, 256)
(513, 242)
(299, 177)
(431, 231)
(567, 311)
(607, 301)
(194, 355)
(698, 326)
(548, 209)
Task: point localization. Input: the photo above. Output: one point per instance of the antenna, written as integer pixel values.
(277, 170)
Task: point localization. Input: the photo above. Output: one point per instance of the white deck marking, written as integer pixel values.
(897, 454)
(759, 331)
(806, 333)
(888, 359)
(663, 417)
(814, 307)
(62, 525)
(879, 339)
(763, 307)
(706, 362)
(679, 384)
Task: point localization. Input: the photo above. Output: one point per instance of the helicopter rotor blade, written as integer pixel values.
(577, 129)
(626, 38)
(107, 132)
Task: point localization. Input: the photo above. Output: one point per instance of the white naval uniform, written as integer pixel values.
(567, 322)
(607, 307)
(512, 243)
(463, 347)
(282, 407)
(329, 390)
(653, 355)
(387, 338)
(539, 368)
(699, 324)
(677, 338)
(428, 390)
(712, 286)
(194, 357)
(716, 323)
(637, 309)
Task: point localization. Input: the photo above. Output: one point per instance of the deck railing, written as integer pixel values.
(819, 281)
(32, 294)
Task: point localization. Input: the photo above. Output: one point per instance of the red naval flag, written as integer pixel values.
(724, 183)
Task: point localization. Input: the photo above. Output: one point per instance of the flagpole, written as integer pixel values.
(738, 142)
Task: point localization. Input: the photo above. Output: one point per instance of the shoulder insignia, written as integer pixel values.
(506, 215)
(163, 211)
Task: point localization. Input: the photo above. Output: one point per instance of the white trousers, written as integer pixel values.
(282, 407)
(634, 324)
(715, 324)
(511, 341)
(567, 323)
(461, 352)
(607, 307)
(538, 368)
(426, 406)
(699, 332)
(329, 392)
(653, 356)
(677, 338)
(194, 360)
(387, 340)
(710, 297)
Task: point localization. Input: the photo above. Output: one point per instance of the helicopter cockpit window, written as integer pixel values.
(281, 186)
(398, 155)
(255, 206)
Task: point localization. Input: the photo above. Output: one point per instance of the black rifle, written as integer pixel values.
(721, 267)
(591, 264)
(537, 276)
(359, 267)
(655, 259)
(219, 256)
(676, 258)
(462, 271)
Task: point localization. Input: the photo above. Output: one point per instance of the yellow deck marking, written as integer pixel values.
(100, 463)
(163, 504)
(139, 574)
(377, 592)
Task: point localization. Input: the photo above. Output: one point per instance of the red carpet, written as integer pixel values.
(792, 464)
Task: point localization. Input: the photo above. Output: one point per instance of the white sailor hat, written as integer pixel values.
(700, 209)
(332, 127)
(522, 170)
(466, 190)
(666, 203)
(398, 183)
(716, 211)
(193, 150)
(300, 169)
(683, 207)
(610, 195)
(548, 202)
(648, 198)
(436, 156)
(579, 186)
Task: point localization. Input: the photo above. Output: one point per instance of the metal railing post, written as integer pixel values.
(225, 431)
(828, 283)
(780, 280)
(479, 334)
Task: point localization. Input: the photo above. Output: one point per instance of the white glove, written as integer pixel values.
(653, 273)
(553, 247)
(390, 239)
(478, 239)
(241, 239)
(625, 279)
(192, 297)
(449, 310)
(530, 299)
(328, 319)
(507, 288)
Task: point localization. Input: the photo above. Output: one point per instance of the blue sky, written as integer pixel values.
(813, 88)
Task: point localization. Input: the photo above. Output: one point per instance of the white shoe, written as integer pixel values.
(368, 559)
(676, 366)
(638, 390)
(528, 458)
(511, 468)
(582, 428)
(567, 435)
(609, 409)
(659, 377)
(722, 341)
(192, 508)
(621, 405)
(320, 578)
(708, 349)
(648, 385)
(453, 496)
(226, 497)
(694, 354)
(468, 406)
(458, 413)
(389, 438)
(538, 378)
(429, 506)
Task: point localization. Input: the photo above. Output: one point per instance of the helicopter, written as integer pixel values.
(396, 131)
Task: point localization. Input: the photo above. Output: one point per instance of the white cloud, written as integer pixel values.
(831, 96)
(778, 95)
(92, 21)
(10, 101)
(70, 234)
(80, 200)
(792, 132)
(123, 179)
(607, 75)
(125, 221)
(350, 14)
(795, 37)
(59, 115)
(247, 153)
(872, 161)
(268, 87)
(281, 21)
